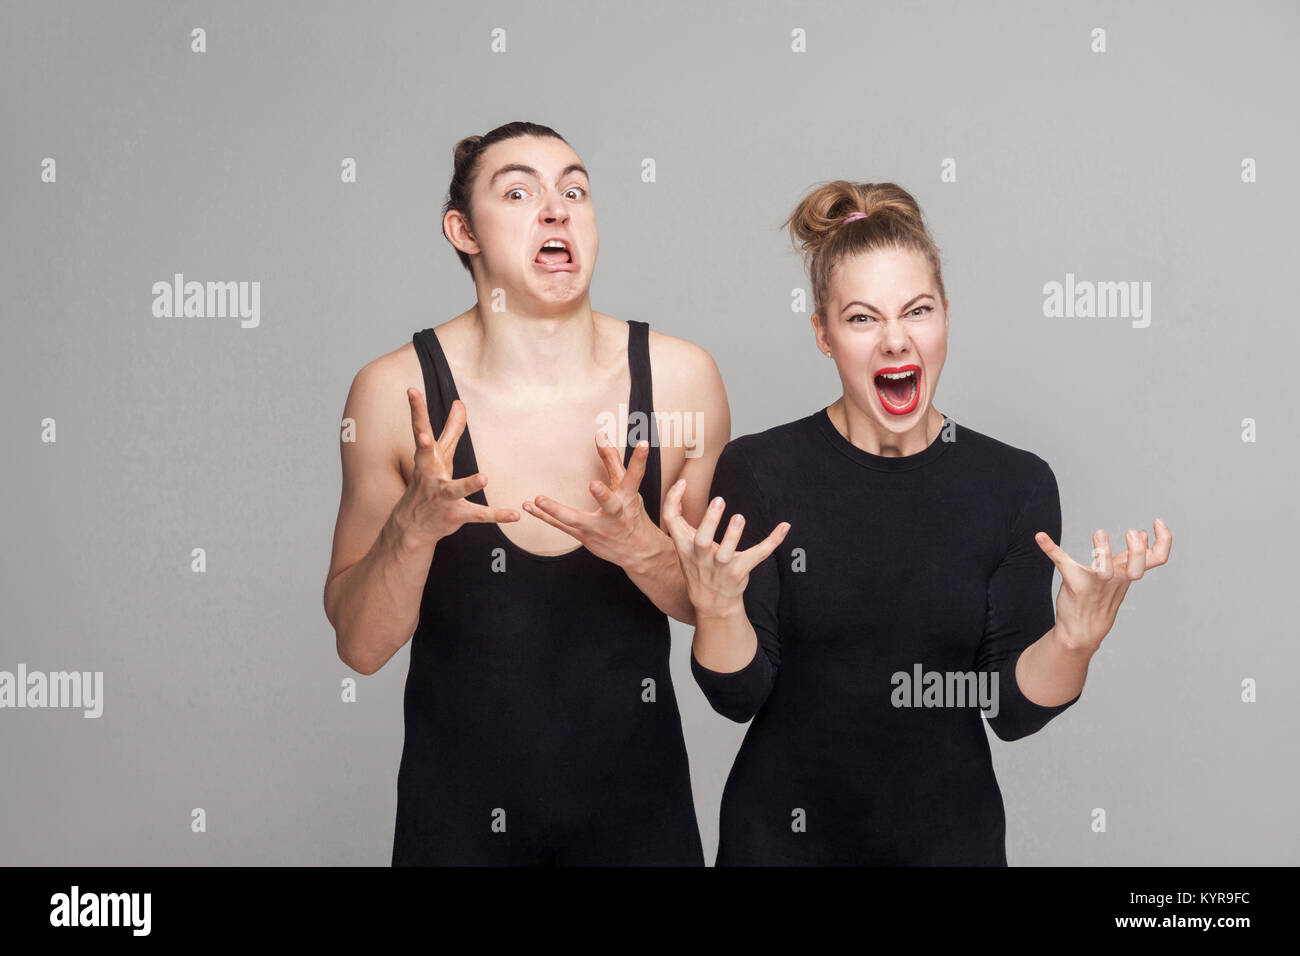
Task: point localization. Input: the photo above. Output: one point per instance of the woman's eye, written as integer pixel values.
(575, 189)
(513, 191)
(871, 318)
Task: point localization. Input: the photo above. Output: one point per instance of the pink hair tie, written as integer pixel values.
(856, 215)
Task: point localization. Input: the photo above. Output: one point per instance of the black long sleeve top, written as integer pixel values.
(892, 566)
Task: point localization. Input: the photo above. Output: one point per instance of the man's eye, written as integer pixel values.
(861, 316)
(576, 189)
(920, 307)
(513, 191)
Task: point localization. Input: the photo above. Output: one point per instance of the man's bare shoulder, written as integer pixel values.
(687, 381)
(684, 373)
(378, 405)
(392, 372)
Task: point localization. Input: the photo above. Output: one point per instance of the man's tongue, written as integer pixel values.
(552, 257)
(896, 390)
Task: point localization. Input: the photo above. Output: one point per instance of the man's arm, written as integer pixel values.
(688, 380)
(377, 570)
(654, 569)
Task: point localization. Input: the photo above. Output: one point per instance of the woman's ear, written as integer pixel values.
(820, 334)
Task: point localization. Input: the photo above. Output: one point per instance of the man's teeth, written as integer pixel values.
(553, 244)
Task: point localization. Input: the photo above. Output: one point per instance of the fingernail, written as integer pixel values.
(715, 504)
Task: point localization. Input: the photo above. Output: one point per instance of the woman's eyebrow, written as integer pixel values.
(914, 300)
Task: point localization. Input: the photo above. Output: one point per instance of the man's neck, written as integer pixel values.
(541, 350)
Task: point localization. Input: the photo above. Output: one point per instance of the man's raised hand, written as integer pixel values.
(434, 504)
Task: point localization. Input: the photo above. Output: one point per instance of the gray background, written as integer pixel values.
(222, 689)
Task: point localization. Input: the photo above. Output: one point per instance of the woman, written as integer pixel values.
(906, 588)
(541, 724)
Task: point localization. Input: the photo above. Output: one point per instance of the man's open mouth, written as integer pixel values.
(899, 388)
(554, 252)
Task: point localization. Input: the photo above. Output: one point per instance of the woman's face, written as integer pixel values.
(528, 190)
(884, 318)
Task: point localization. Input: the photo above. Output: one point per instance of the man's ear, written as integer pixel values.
(458, 232)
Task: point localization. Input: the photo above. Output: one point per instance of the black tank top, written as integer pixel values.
(541, 724)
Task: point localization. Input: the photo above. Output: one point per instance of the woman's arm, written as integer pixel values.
(1047, 675)
(1050, 672)
(1036, 677)
(734, 587)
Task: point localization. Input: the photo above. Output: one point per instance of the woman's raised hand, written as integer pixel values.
(1090, 597)
(434, 504)
(716, 574)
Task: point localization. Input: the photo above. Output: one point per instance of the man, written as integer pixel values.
(541, 724)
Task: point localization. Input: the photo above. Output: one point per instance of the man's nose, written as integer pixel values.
(553, 209)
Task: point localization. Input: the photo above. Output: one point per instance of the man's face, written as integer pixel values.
(529, 190)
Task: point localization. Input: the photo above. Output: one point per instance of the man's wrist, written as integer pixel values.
(650, 548)
(403, 540)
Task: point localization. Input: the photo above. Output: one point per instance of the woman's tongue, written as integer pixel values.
(552, 257)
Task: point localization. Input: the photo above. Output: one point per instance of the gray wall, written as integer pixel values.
(221, 689)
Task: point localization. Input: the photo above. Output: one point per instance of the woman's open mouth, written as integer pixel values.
(899, 388)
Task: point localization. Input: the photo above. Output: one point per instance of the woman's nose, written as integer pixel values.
(896, 339)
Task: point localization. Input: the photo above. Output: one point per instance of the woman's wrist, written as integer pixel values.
(722, 614)
(1072, 644)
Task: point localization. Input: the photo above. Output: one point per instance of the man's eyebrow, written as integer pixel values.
(529, 170)
(915, 299)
